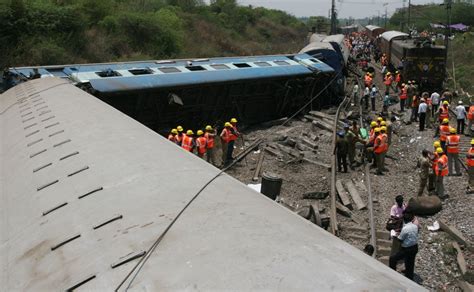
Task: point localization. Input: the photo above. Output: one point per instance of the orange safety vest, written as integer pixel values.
(368, 80)
(470, 157)
(398, 78)
(443, 113)
(403, 94)
(187, 143)
(470, 114)
(379, 144)
(452, 143)
(443, 132)
(388, 80)
(225, 135)
(210, 140)
(385, 141)
(415, 102)
(233, 136)
(435, 160)
(371, 136)
(442, 166)
(201, 143)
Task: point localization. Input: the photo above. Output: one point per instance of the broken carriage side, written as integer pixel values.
(162, 94)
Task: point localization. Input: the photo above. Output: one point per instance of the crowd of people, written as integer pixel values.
(203, 142)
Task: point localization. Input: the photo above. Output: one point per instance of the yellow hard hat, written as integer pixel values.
(208, 128)
(445, 121)
(439, 150)
(388, 73)
(174, 131)
(445, 102)
(227, 124)
(379, 119)
(452, 130)
(189, 132)
(233, 120)
(437, 144)
(383, 128)
(383, 123)
(373, 124)
(200, 132)
(179, 128)
(376, 130)
(472, 141)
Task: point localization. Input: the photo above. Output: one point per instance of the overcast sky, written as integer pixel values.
(346, 8)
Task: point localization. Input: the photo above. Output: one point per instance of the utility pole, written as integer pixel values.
(333, 17)
(385, 25)
(448, 28)
(409, 15)
(378, 17)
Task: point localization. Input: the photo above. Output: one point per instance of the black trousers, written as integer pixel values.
(402, 105)
(372, 101)
(230, 150)
(422, 118)
(408, 254)
(341, 161)
(460, 128)
(434, 109)
(366, 101)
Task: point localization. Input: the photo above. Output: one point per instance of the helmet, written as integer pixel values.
(422, 99)
(452, 130)
(208, 128)
(376, 130)
(460, 102)
(445, 121)
(409, 82)
(445, 102)
(200, 132)
(403, 84)
(373, 124)
(379, 119)
(383, 123)
(179, 128)
(396, 72)
(388, 73)
(174, 131)
(472, 142)
(383, 129)
(233, 120)
(439, 150)
(437, 144)
(227, 124)
(189, 132)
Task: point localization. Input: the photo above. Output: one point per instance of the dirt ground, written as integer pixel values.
(436, 267)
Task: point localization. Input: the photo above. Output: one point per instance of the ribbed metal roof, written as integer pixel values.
(392, 34)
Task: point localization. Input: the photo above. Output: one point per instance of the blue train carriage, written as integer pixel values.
(325, 52)
(94, 201)
(161, 94)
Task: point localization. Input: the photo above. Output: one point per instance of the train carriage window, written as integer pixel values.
(141, 71)
(108, 73)
(220, 66)
(169, 70)
(242, 65)
(262, 64)
(195, 68)
(281, 63)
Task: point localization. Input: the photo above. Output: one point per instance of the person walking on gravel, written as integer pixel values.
(422, 110)
(452, 146)
(441, 170)
(470, 165)
(409, 246)
(424, 164)
(460, 117)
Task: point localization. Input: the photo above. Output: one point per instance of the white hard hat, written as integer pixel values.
(460, 102)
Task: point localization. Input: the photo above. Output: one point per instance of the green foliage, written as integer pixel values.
(42, 32)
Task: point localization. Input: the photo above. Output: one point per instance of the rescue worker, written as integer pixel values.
(398, 79)
(388, 82)
(441, 170)
(470, 165)
(352, 139)
(452, 146)
(373, 95)
(233, 136)
(373, 125)
(379, 122)
(201, 143)
(435, 99)
(210, 136)
(424, 164)
(188, 142)
(173, 136)
(441, 114)
(443, 133)
(379, 151)
(403, 97)
(225, 139)
(434, 160)
(410, 93)
(341, 151)
(414, 108)
(383, 133)
(179, 137)
(470, 117)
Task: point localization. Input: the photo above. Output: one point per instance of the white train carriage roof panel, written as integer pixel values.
(392, 34)
(86, 191)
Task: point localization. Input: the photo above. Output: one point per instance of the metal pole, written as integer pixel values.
(333, 17)
(409, 15)
(385, 26)
(448, 30)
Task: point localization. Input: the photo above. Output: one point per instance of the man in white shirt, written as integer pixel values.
(366, 97)
(461, 117)
(409, 246)
(422, 109)
(355, 93)
(435, 102)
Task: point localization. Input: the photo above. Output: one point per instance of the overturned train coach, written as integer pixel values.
(416, 58)
(193, 93)
(92, 200)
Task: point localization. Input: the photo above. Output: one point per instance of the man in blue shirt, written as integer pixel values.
(409, 246)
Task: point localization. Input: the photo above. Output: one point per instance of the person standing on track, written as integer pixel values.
(414, 108)
(225, 139)
(452, 146)
(379, 150)
(172, 136)
(341, 152)
(210, 138)
(366, 97)
(188, 142)
(180, 136)
(355, 92)
(201, 144)
(470, 165)
(424, 164)
(434, 160)
(403, 97)
(373, 95)
(435, 99)
(460, 117)
(388, 82)
(441, 170)
(443, 133)
(422, 110)
(409, 246)
(470, 117)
